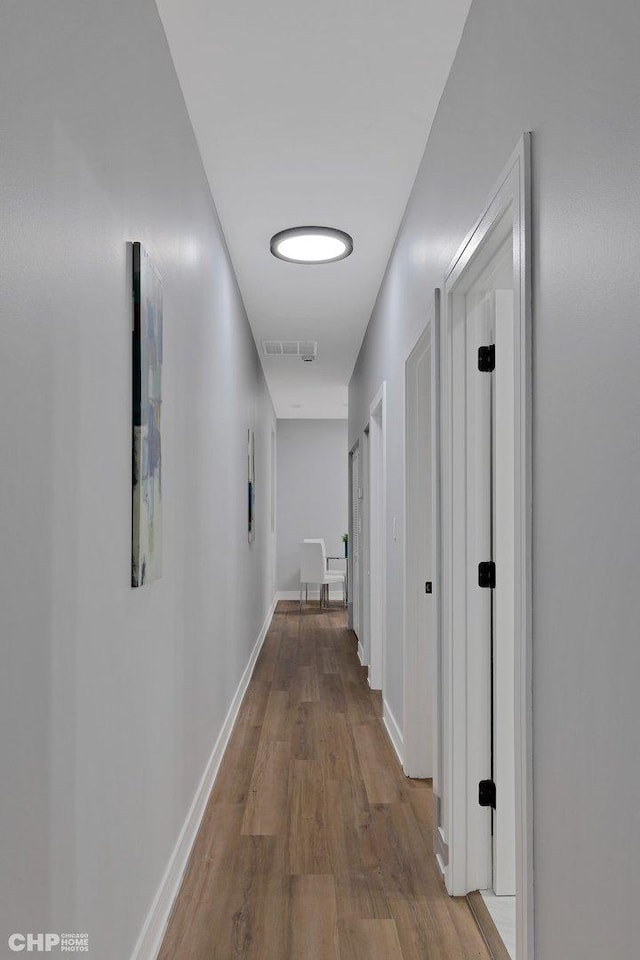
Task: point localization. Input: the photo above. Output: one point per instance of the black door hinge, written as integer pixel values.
(487, 358)
(487, 574)
(428, 587)
(487, 793)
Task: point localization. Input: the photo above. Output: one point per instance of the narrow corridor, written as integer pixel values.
(314, 846)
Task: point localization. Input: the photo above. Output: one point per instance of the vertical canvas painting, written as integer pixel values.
(146, 541)
(251, 486)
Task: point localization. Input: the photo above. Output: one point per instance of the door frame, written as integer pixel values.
(354, 604)
(377, 539)
(364, 648)
(420, 753)
(509, 201)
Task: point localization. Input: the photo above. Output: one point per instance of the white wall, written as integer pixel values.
(569, 73)
(312, 491)
(112, 698)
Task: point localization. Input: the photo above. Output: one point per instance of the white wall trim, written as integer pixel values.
(153, 930)
(394, 731)
(361, 655)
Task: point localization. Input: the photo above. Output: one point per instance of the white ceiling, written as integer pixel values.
(311, 113)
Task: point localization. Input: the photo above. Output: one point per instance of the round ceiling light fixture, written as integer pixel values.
(311, 245)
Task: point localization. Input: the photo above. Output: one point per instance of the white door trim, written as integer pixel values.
(378, 537)
(509, 200)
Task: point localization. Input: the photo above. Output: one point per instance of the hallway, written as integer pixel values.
(314, 845)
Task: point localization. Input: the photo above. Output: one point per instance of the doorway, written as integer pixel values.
(356, 541)
(364, 646)
(421, 581)
(377, 544)
(486, 543)
(489, 319)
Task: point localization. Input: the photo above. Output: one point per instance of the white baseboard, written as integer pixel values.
(152, 933)
(394, 731)
(288, 595)
(361, 654)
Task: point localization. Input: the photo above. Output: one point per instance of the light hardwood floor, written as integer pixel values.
(314, 846)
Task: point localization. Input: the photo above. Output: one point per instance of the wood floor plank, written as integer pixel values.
(331, 662)
(307, 849)
(373, 939)
(314, 918)
(361, 707)
(359, 886)
(313, 844)
(335, 747)
(381, 780)
(236, 770)
(278, 720)
(268, 658)
(421, 932)
(407, 874)
(186, 935)
(332, 692)
(266, 806)
(255, 703)
(304, 686)
(305, 738)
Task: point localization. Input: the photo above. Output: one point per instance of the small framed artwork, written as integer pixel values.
(251, 487)
(146, 533)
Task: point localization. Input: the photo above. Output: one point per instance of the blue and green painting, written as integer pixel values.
(146, 540)
(251, 487)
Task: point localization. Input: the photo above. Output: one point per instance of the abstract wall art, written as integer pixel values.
(146, 540)
(251, 487)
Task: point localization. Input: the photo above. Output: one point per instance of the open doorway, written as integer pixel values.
(485, 640)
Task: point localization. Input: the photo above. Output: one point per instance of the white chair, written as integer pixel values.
(338, 573)
(313, 569)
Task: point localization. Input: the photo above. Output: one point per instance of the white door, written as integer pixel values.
(492, 515)
(377, 540)
(356, 523)
(365, 571)
(492, 518)
(419, 640)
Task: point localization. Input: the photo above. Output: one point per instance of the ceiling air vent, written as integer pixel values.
(290, 348)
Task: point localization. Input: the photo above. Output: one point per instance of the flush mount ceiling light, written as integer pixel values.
(311, 245)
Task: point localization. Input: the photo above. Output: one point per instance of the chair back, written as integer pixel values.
(321, 542)
(312, 564)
